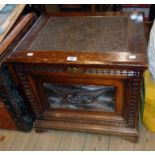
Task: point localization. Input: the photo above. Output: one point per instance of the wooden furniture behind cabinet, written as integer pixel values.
(6, 121)
(13, 112)
(83, 72)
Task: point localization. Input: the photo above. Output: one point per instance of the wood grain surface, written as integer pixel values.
(72, 141)
(15, 32)
(11, 20)
(6, 121)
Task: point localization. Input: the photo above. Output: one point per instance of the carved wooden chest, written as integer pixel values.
(83, 72)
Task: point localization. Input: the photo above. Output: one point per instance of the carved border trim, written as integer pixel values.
(28, 92)
(129, 73)
(134, 100)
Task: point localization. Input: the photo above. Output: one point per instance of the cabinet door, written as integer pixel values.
(80, 97)
(78, 93)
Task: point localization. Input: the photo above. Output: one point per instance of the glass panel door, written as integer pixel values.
(81, 97)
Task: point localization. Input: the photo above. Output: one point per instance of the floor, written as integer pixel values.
(63, 141)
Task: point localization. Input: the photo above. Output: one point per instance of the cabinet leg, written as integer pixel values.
(131, 139)
(41, 130)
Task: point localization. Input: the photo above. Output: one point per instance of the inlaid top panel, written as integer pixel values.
(88, 34)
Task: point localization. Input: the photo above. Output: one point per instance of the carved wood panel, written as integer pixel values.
(132, 76)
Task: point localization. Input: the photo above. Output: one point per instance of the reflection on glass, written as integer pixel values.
(81, 97)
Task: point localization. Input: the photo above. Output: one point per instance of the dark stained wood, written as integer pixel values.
(86, 58)
(13, 35)
(126, 132)
(74, 14)
(6, 121)
(136, 36)
(121, 69)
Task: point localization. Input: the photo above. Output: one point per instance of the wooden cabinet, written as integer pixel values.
(83, 72)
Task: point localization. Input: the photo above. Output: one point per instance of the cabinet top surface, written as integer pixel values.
(119, 33)
(89, 34)
(99, 39)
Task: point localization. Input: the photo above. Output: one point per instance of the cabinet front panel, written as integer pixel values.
(81, 97)
(91, 95)
(101, 95)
